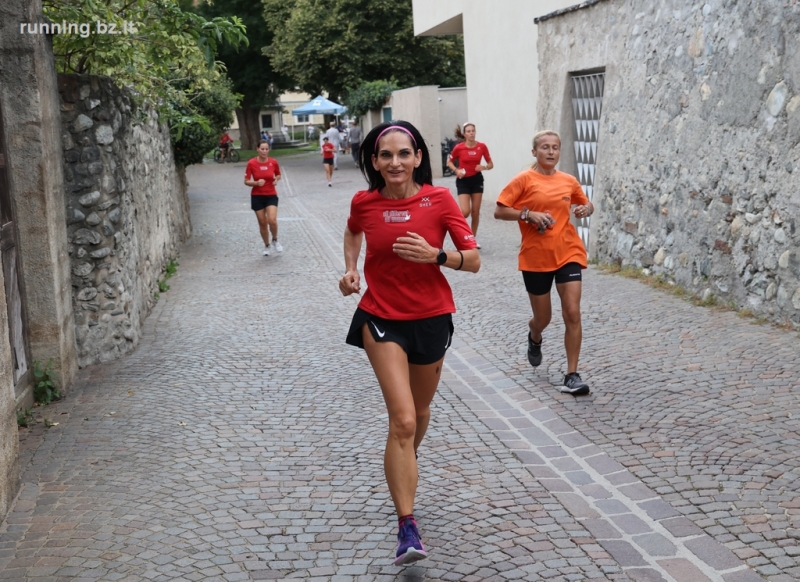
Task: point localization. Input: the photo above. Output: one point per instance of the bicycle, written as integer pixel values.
(447, 147)
(233, 155)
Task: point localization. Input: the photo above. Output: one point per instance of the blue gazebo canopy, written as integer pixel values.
(320, 106)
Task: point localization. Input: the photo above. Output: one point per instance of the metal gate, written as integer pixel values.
(18, 337)
(587, 102)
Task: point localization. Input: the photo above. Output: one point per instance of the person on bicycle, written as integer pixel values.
(225, 143)
(469, 173)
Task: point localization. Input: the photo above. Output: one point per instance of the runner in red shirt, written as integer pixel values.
(469, 173)
(404, 320)
(540, 200)
(328, 151)
(262, 174)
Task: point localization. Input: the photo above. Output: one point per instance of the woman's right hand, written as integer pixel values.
(460, 173)
(261, 182)
(350, 283)
(541, 219)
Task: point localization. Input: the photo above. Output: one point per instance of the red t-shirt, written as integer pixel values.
(267, 171)
(468, 158)
(327, 151)
(396, 288)
(225, 139)
(554, 248)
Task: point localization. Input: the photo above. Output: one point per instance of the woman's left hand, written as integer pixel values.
(582, 211)
(414, 248)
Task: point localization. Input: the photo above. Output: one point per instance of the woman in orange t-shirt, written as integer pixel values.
(541, 200)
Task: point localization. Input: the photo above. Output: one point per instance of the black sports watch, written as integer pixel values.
(441, 258)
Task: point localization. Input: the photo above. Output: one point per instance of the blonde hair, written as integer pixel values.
(539, 135)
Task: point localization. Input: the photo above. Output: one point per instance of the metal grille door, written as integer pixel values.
(587, 101)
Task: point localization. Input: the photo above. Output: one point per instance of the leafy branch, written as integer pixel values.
(368, 96)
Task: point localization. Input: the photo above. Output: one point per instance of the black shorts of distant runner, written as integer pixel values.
(261, 202)
(471, 185)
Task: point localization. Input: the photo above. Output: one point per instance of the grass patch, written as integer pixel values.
(25, 417)
(246, 155)
(169, 270)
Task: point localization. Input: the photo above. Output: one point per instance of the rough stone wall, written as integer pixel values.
(127, 212)
(698, 172)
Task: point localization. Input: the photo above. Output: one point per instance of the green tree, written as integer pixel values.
(205, 116)
(369, 95)
(249, 68)
(330, 45)
(165, 54)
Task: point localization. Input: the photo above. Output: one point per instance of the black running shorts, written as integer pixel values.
(471, 185)
(540, 283)
(328, 161)
(261, 202)
(425, 341)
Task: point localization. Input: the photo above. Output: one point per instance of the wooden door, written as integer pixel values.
(12, 275)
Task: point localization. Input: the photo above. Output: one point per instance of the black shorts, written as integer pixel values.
(471, 185)
(538, 283)
(261, 202)
(328, 161)
(425, 341)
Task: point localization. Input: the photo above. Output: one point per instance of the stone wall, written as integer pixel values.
(29, 98)
(698, 171)
(127, 212)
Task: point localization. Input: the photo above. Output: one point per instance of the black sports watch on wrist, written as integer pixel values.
(441, 258)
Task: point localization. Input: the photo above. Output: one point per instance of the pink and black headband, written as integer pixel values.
(392, 128)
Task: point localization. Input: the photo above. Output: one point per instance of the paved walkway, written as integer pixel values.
(243, 440)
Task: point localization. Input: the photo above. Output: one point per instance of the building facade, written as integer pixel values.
(501, 61)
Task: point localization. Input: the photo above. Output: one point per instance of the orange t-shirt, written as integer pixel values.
(551, 250)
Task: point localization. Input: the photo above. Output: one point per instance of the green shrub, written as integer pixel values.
(368, 96)
(24, 417)
(195, 129)
(44, 389)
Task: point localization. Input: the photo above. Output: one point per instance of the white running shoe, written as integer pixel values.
(266, 251)
(278, 246)
(477, 243)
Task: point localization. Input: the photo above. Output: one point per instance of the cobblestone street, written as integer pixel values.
(243, 439)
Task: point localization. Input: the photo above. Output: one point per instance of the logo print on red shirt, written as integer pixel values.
(396, 215)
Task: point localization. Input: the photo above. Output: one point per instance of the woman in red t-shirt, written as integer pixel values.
(404, 320)
(262, 174)
(328, 151)
(540, 200)
(469, 173)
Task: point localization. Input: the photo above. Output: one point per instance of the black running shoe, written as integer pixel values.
(574, 385)
(534, 352)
